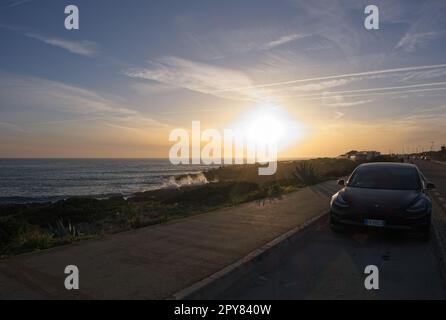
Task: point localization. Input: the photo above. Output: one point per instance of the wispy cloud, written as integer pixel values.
(13, 3)
(196, 76)
(19, 90)
(349, 104)
(336, 98)
(346, 75)
(60, 104)
(323, 85)
(83, 48)
(395, 93)
(233, 84)
(338, 115)
(412, 41)
(391, 88)
(424, 75)
(11, 127)
(281, 41)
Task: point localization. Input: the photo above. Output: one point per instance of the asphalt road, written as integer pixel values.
(327, 265)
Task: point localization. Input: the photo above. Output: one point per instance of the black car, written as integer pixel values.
(383, 195)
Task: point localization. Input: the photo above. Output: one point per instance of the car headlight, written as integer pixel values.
(419, 206)
(340, 202)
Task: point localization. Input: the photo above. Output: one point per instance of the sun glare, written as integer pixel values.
(265, 128)
(270, 124)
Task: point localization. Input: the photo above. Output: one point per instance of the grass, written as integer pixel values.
(27, 227)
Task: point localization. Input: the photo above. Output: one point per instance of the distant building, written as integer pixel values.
(352, 153)
(372, 154)
(443, 148)
(348, 155)
(360, 155)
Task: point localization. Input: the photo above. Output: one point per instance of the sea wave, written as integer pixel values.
(185, 180)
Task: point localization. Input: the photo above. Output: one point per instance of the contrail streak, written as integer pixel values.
(366, 73)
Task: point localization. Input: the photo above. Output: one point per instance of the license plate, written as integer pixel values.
(374, 223)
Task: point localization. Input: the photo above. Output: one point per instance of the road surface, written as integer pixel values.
(157, 261)
(326, 265)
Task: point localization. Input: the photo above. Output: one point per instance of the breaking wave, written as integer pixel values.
(186, 180)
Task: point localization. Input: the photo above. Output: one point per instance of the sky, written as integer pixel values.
(136, 70)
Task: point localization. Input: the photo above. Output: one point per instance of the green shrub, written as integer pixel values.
(10, 229)
(34, 238)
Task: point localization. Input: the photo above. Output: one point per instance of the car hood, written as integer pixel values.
(379, 200)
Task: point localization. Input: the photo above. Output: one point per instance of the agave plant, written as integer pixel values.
(60, 229)
(306, 173)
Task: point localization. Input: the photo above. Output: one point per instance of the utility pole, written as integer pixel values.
(432, 145)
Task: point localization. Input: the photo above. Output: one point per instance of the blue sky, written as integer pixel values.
(137, 69)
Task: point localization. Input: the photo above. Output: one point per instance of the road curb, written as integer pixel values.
(219, 282)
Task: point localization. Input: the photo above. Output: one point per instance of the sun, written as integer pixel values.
(270, 124)
(265, 128)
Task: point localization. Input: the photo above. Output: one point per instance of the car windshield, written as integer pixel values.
(380, 177)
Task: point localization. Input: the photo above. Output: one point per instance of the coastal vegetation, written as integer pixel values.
(36, 226)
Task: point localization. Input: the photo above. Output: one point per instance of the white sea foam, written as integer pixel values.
(186, 180)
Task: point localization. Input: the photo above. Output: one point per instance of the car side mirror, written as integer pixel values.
(430, 186)
(341, 182)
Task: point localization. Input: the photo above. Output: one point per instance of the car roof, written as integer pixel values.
(387, 165)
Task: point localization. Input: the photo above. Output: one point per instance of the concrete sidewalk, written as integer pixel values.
(157, 261)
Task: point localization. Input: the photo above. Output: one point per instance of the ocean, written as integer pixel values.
(41, 180)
